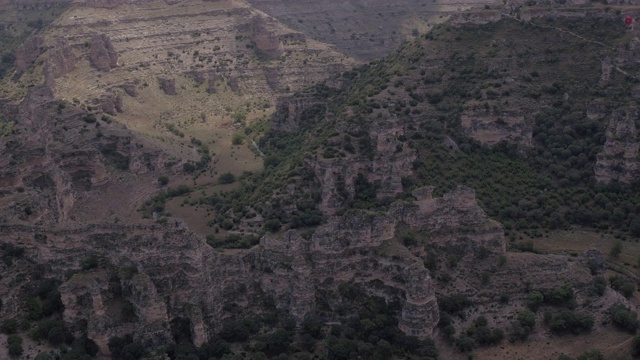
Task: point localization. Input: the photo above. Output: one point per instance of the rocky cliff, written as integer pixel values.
(164, 272)
(618, 160)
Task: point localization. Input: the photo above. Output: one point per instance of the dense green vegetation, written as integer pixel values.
(370, 330)
(493, 69)
(42, 321)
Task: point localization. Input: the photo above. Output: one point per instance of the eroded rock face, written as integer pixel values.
(383, 163)
(619, 159)
(163, 272)
(103, 56)
(344, 249)
(168, 86)
(267, 42)
(491, 128)
(59, 160)
(60, 61)
(28, 53)
(292, 113)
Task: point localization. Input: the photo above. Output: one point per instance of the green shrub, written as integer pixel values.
(188, 168)
(591, 355)
(14, 344)
(277, 342)
(408, 238)
(237, 139)
(226, 178)
(570, 322)
(600, 286)
(163, 180)
(89, 263)
(9, 326)
(622, 284)
(465, 343)
(535, 300)
(635, 350)
(43, 356)
(522, 327)
(454, 304)
(623, 318)
(559, 295)
(616, 249)
(125, 348)
(272, 225)
(89, 118)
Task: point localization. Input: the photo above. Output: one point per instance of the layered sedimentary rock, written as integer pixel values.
(363, 29)
(383, 163)
(102, 55)
(292, 113)
(237, 43)
(57, 159)
(60, 61)
(28, 53)
(491, 128)
(619, 159)
(164, 272)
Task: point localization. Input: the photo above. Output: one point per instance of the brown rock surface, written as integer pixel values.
(164, 272)
(619, 159)
(491, 128)
(102, 55)
(28, 53)
(168, 86)
(60, 61)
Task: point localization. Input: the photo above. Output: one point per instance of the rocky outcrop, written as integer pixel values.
(619, 159)
(162, 272)
(28, 53)
(382, 161)
(131, 89)
(168, 86)
(293, 113)
(61, 160)
(491, 128)
(111, 104)
(102, 54)
(60, 61)
(267, 42)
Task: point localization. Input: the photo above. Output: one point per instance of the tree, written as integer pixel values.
(237, 139)
(14, 343)
(384, 350)
(227, 178)
(635, 351)
(125, 348)
(616, 249)
(465, 343)
(634, 227)
(522, 327)
(163, 180)
(624, 318)
(272, 225)
(188, 168)
(527, 318)
(535, 300)
(277, 342)
(43, 356)
(591, 355)
(56, 336)
(9, 326)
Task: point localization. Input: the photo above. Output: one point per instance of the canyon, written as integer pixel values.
(112, 96)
